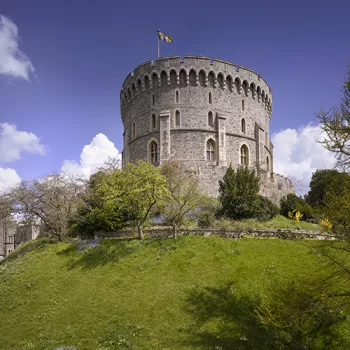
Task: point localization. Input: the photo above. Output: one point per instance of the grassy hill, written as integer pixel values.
(188, 293)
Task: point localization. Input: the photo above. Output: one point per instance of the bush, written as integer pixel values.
(292, 202)
(267, 209)
(239, 193)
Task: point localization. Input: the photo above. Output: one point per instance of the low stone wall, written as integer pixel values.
(166, 232)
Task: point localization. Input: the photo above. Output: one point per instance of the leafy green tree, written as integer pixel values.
(182, 195)
(135, 190)
(322, 182)
(336, 125)
(238, 193)
(96, 213)
(292, 202)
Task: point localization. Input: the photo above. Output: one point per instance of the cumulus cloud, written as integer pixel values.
(92, 157)
(14, 142)
(297, 155)
(8, 178)
(13, 61)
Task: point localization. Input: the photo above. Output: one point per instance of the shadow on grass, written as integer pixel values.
(108, 251)
(226, 319)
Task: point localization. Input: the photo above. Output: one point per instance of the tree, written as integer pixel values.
(96, 212)
(135, 190)
(336, 125)
(182, 194)
(322, 182)
(52, 200)
(238, 193)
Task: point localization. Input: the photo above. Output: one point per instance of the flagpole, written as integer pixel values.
(158, 47)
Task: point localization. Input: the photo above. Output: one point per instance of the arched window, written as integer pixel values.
(183, 78)
(153, 152)
(154, 80)
(177, 96)
(163, 79)
(133, 89)
(252, 89)
(153, 121)
(177, 118)
(229, 82)
(220, 80)
(146, 82)
(139, 85)
(243, 105)
(211, 79)
(133, 130)
(245, 87)
(210, 150)
(192, 78)
(210, 119)
(243, 126)
(244, 155)
(258, 92)
(268, 164)
(173, 79)
(201, 78)
(153, 100)
(238, 85)
(210, 98)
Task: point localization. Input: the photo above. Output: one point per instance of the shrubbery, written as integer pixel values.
(292, 202)
(266, 210)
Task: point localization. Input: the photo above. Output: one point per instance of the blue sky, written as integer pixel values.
(64, 89)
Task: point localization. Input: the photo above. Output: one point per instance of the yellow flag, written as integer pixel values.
(166, 38)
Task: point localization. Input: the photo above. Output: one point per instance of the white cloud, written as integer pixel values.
(297, 155)
(13, 142)
(13, 61)
(8, 179)
(92, 157)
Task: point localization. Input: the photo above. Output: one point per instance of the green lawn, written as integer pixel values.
(278, 221)
(187, 293)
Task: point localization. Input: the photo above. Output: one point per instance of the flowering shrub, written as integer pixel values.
(295, 215)
(326, 224)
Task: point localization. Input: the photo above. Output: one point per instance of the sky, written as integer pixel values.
(62, 65)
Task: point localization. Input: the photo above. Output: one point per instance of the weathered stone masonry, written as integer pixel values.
(205, 114)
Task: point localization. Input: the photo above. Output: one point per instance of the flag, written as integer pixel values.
(166, 38)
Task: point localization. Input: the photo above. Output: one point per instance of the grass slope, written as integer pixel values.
(187, 293)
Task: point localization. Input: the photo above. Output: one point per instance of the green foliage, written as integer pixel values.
(323, 182)
(337, 210)
(116, 195)
(292, 202)
(97, 212)
(143, 186)
(266, 209)
(208, 212)
(238, 193)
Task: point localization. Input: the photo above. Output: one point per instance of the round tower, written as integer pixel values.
(206, 114)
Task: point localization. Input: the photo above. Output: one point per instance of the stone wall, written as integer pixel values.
(7, 237)
(169, 102)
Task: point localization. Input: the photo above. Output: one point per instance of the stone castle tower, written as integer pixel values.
(206, 114)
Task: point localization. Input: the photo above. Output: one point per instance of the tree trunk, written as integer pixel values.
(140, 232)
(174, 231)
